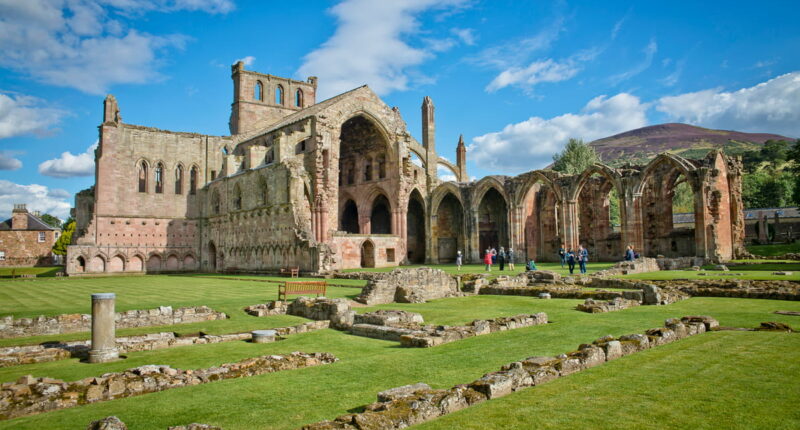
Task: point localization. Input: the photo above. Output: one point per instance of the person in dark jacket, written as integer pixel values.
(570, 257)
(562, 254)
(583, 258)
(629, 255)
(501, 258)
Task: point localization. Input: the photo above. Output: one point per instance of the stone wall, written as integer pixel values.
(595, 306)
(409, 286)
(29, 395)
(405, 406)
(72, 323)
(743, 289)
(337, 311)
(431, 336)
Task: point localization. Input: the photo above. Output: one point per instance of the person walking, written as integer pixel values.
(562, 254)
(570, 261)
(459, 260)
(510, 258)
(487, 259)
(501, 258)
(583, 258)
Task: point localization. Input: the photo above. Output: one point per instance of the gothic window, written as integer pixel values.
(237, 197)
(279, 95)
(298, 98)
(159, 178)
(270, 157)
(258, 93)
(179, 179)
(193, 180)
(381, 167)
(143, 177)
(350, 174)
(368, 170)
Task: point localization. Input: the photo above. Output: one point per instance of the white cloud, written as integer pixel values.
(649, 53)
(772, 106)
(370, 46)
(248, 60)
(85, 45)
(37, 197)
(530, 144)
(21, 114)
(515, 53)
(69, 165)
(466, 35)
(445, 174)
(8, 162)
(537, 72)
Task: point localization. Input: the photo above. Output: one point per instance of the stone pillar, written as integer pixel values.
(571, 224)
(104, 341)
(762, 228)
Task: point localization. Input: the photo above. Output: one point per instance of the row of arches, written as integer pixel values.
(159, 178)
(259, 89)
(119, 263)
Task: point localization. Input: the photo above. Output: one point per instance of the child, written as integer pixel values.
(487, 259)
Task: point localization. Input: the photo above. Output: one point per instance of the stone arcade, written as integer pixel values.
(342, 184)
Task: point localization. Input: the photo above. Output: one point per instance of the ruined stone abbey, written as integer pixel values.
(342, 184)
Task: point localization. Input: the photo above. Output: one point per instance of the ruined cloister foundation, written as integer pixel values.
(341, 184)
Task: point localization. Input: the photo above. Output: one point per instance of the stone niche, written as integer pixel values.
(409, 286)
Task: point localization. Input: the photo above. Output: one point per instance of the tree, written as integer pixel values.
(51, 220)
(575, 158)
(60, 248)
(793, 155)
(67, 223)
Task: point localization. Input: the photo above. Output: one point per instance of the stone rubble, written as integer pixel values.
(431, 336)
(409, 286)
(29, 395)
(595, 307)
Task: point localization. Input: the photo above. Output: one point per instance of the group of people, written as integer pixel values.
(501, 257)
(570, 257)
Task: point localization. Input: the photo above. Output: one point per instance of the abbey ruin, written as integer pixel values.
(342, 184)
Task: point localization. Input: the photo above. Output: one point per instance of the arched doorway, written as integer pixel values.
(492, 221)
(449, 229)
(540, 211)
(172, 263)
(348, 222)
(212, 257)
(154, 263)
(368, 254)
(136, 264)
(81, 264)
(381, 217)
(669, 213)
(600, 219)
(98, 264)
(415, 228)
(116, 264)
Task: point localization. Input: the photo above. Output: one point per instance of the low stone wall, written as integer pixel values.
(434, 336)
(73, 323)
(389, 318)
(29, 395)
(402, 407)
(17, 355)
(337, 311)
(277, 307)
(596, 307)
(735, 288)
(114, 423)
(562, 292)
(409, 286)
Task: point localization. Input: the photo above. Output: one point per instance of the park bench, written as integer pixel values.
(302, 287)
(292, 272)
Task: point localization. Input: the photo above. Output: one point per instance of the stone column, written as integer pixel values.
(104, 341)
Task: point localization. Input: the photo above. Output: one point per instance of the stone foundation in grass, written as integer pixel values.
(405, 406)
(433, 336)
(29, 395)
(409, 286)
(595, 307)
(74, 323)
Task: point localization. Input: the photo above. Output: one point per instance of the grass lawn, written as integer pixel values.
(748, 271)
(5, 272)
(480, 268)
(291, 399)
(777, 249)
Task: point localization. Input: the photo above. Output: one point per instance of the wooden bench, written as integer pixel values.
(293, 272)
(302, 287)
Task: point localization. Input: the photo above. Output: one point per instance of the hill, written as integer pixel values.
(640, 145)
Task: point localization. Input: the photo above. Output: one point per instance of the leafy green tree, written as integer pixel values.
(51, 220)
(60, 248)
(575, 158)
(775, 151)
(683, 199)
(768, 188)
(67, 223)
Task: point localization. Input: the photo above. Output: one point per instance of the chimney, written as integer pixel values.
(19, 217)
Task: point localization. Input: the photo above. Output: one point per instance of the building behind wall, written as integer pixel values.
(341, 183)
(26, 240)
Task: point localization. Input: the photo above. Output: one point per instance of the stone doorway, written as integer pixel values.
(367, 254)
(415, 233)
(492, 221)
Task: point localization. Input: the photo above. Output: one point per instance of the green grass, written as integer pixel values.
(480, 268)
(47, 271)
(366, 366)
(747, 271)
(776, 249)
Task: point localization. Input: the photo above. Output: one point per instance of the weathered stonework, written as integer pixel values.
(337, 311)
(73, 323)
(26, 240)
(595, 307)
(409, 286)
(435, 336)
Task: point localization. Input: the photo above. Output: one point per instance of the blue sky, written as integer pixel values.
(516, 78)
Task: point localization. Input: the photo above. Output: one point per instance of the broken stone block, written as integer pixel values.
(107, 423)
(613, 350)
(401, 392)
(774, 326)
(708, 321)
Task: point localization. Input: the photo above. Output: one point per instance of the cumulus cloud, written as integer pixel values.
(248, 60)
(21, 114)
(772, 106)
(8, 162)
(86, 45)
(69, 165)
(37, 197)
(370, 46)
(530, 144)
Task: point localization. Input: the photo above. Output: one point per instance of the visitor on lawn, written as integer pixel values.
(487, 259)
(629, 253)
(562, 255)
(531, 265)
(571, 261)
(494, 256)
(583, 257)
(510, 258)
(501, 258)
(458, 260)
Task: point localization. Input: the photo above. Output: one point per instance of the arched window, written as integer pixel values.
(258, 92)
(298, 98)
(215, 202)
(179, 179)
(159, 178)
(381, 166)
(237, 197)
(279, 95)
(193, 180)
(143, 177)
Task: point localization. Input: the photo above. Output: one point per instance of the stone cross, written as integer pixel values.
(104, 341)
